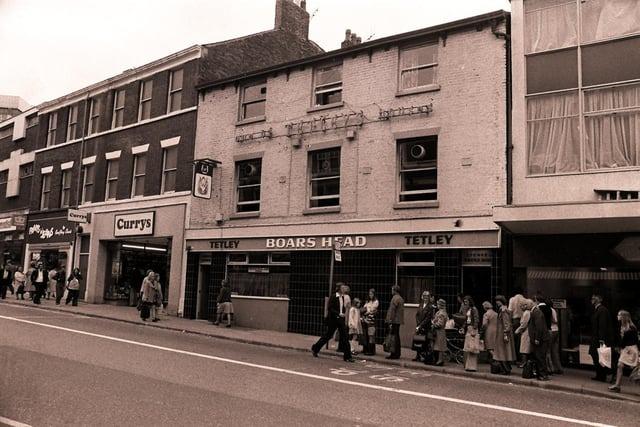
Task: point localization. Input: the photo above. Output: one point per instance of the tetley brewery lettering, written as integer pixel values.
(429, 240)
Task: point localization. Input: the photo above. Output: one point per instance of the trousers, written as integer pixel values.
(332, 325)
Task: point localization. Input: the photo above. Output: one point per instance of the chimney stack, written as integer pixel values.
(350, 39)
(292, 18)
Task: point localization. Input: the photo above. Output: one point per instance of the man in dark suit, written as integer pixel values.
(336, 315)
(601, 333)
(39, 279)
(540, 337)
(6, 276)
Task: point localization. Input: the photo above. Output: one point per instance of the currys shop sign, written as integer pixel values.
(137, 224)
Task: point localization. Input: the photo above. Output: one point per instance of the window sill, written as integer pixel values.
(325, 107)
(586, 172)
(241, 215)
(259, 298)
(314, 211)
(415, 205)
(251, 120)
(421, 89)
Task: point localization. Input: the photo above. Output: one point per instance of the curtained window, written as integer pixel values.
(604, 19)
(550, 24)
(418, 66)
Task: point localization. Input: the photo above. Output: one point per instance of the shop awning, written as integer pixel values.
(620, 216)
(544, 274)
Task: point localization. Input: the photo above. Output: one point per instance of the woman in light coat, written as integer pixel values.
(525, 342)
(149, 294)
(19, 280)
(505, 351)
(472, 336)
(489, 327)
(439, 322)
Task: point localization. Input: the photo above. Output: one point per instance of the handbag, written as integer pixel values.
(528, 370)
(418, 342)
(389, 343)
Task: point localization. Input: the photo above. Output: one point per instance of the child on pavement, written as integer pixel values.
(355, 325)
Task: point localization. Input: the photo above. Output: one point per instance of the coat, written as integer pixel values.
(224, 295)
(537, 329)
(395, 313)
(472, 337)
(439, 322)
(489, 329)
(505, 350)
(601, 328)
(354, 323)
(525, 342)
(424, 315)
(45, 276)
(6, 280)
(149, 292)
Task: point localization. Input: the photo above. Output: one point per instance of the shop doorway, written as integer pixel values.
(476, 281)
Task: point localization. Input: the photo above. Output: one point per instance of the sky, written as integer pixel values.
(50, 48)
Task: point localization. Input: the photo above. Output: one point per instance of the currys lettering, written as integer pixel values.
(133, 224)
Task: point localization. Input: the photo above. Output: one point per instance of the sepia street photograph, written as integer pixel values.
(319, 213)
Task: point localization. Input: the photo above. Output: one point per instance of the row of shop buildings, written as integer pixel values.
(479, 156)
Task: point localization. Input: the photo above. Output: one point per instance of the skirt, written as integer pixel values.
(226, 308)
(629, 356)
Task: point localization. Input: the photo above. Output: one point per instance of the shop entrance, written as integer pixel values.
(476, 281)
(129, 261)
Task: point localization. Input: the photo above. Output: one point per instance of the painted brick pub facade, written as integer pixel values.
(394, 147)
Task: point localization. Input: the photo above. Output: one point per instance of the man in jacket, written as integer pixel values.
(6, 276)
(395, 318)
(336, 315)
(540, 337)
(601, 333)
(39, 279)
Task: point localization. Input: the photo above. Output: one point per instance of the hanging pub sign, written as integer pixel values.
(55, 230)
(203, 177)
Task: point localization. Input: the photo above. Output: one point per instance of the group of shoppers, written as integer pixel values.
(150, 297)
(38, 283)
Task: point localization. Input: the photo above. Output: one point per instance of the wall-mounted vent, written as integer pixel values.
(607, 195)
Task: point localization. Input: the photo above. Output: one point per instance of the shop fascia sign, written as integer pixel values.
(50, 231)
(137, 224)
(17, 221)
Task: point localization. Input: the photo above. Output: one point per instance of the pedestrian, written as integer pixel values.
(553, 361)
(6, 277)
(347, 300)
(29, 286)
(73, 287)
(601, 334)
(504, 352)
(19, 280)
(515, 306)
(159, 296)
(489, 327)
(439, 323)
(539, 337)
(472, 336)
(39, 278)
(335, 319)
(395, 318)
(355, 325)
(61, 278)
(369, 313)
(628, 347)
(424, 316)
(224, 305)
(525, 342)
(148, 298)
(52, 282)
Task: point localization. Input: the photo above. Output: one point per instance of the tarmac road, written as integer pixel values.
(65, 369)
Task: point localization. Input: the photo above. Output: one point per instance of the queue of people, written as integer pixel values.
(38, 283)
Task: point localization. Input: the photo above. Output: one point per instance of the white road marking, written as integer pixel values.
(319, 377)
(12, 423)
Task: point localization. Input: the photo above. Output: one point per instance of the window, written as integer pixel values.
(418, 169)
(328, 84)
(112, 179)
(6, 132)
(51, 132)
(325, 178)
(169, 169)
(146, 92)
(4, 176)
(248, 177)
(175, 91)
(139, 172)
(32, 120)
(65, 188)
(118, 109)
(264, 274)
(45, 189)
(583, 98)
(26, 170)
(72, 123)
(418, 66)
(88, 174)
(254, 99)
(416, 273)
(94, 116)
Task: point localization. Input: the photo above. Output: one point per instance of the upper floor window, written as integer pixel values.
(605, 19)
(418, 169)
(550, 24)
(72, 122)
(7, 131)
(26, 170)
(32, 120)
(51, 130)
(88, 176)
(45, 190)
(324, 178)
(118, 109)
(248, 177)
(94, 116)
(169, 168)
(253, 101)
(139, 173)
(327, 84)
(111, 189)
(146, 92)
(4, 176)
(418, 66)
(175, 91)
(65, 188)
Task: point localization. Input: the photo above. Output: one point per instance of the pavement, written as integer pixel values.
(573, 381)
(61, 368)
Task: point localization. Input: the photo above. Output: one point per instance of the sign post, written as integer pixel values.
(203, 177)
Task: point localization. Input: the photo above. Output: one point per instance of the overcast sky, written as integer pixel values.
(49, 48)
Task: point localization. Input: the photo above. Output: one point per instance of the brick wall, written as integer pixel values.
(468, 110)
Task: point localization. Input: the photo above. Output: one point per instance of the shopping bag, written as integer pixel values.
(389, 343)
(604, 356)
